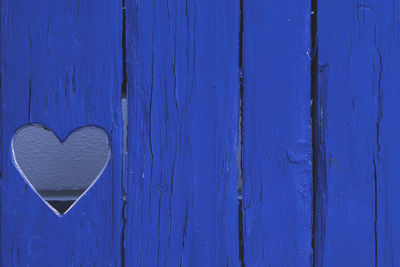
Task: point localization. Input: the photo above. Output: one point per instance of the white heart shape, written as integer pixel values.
(60, 172)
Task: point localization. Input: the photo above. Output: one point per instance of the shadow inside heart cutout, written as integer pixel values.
(60, 172)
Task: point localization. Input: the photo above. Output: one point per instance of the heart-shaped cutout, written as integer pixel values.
(60, 172)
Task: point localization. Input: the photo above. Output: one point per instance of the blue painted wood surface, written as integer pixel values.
(277, 146)
(183, 99)
(358, 87)
(387, 149)
(61, 65)
(350, 69)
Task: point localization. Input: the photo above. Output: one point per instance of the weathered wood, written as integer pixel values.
(277, 150)
(353, 53)
(61, 65)
(387, 148)
(183, 100)
(359, 66)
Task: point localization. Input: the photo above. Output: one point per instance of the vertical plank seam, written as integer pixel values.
(240, 143)
(314, 84)
(125, 135)
(377, 156)
(318, 161)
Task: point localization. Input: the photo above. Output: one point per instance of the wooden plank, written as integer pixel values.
(61, 65)
(277, 147)
(350, 89)
(183, 100)
(387, 149)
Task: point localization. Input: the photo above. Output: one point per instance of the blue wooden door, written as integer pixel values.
(241, 132)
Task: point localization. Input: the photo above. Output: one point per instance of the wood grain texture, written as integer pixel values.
(61, 65)
(351, 89)
(277, 150)
(183, 100)
(359, 65)
(387, 150)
